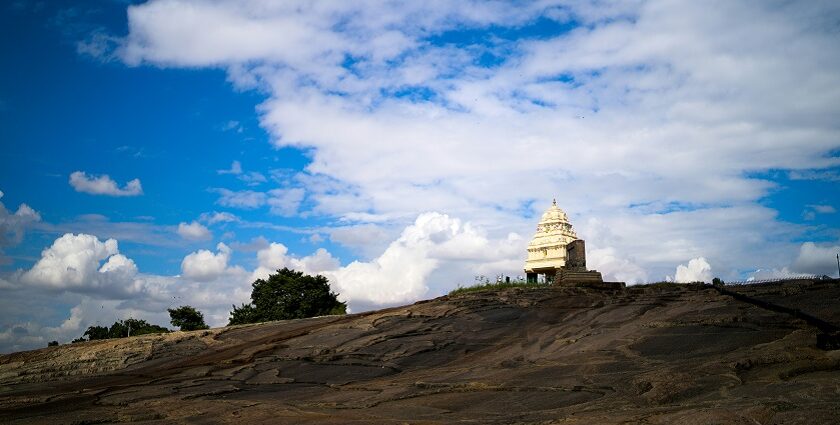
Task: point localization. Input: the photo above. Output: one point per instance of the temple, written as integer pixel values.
(556, 253)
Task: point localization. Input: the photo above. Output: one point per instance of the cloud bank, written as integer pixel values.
(637, 114)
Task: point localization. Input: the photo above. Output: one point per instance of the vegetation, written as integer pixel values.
(121, 329)
(661, 284)
(483, 284)
(52, 344)
(187, 318)
(288, 294)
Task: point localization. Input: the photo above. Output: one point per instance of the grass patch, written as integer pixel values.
(489, 286)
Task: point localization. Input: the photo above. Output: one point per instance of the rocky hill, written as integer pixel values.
(658, 354)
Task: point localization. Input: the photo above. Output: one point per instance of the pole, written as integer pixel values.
(838, 265)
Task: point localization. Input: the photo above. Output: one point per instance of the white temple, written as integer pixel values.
(547, 251)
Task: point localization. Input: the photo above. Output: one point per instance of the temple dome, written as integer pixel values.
(554, 214)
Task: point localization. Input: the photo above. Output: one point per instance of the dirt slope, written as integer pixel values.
(553, 355)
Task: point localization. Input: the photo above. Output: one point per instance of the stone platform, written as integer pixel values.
(588, 278)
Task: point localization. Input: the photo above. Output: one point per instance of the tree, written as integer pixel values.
(96, 332)
(122, 329)
(187, 318)
(288, 294)
(52, 344)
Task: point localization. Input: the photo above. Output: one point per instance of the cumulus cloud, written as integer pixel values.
(697, 270)
(194, 231)
(614, 268)
(434, 241)
(434, 253)
(83, 263)
(103, 185)
(275, 256)
(105, 285)
(205, 266)
(816, 259)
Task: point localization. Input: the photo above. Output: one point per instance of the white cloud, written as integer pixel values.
(107, 286)
(245, 199)
(194, 231)
(823, 209)
(13, 225)
(205, 266)
(82, 263)
(368, 239)
(613, 268)
(235, 169)
(285, 202)
(770, 274)
(275, 256)
(251, 178)
(816, 259)
(434, 241)
(697, 270)
(103, 185)
(218, 217)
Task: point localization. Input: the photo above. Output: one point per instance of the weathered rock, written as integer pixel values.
(666, 354)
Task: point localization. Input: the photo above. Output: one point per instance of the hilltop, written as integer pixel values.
(646, 354)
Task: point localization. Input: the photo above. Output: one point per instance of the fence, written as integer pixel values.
(778, 279)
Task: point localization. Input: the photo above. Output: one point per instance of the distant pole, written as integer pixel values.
(838, 265)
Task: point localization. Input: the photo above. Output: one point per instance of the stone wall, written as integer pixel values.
(576, 256)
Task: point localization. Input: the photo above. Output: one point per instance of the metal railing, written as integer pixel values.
(778, 279)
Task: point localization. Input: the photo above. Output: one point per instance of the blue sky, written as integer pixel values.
(401, 148)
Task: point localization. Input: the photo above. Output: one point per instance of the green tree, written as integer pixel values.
(288, 294)
(53, 344)
(122, 329)
(187, 318)
(96, 332)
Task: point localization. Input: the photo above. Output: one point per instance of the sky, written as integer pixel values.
(170, 152)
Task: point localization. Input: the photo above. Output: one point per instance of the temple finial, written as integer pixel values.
(554, 202)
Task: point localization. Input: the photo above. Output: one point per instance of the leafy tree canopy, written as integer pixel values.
(187, 318)
(288, 294)
(121, 329)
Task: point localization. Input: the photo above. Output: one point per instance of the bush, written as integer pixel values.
(187, 318)
(52, 344)
(288, 294)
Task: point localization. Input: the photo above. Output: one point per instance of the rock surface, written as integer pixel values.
(657, 354)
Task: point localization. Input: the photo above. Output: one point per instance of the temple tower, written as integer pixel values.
(547, 251)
